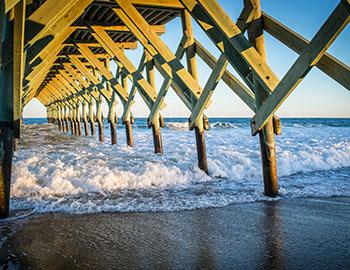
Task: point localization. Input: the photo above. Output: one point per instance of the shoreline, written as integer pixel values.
(288, 233)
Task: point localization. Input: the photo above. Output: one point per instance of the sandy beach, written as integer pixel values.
(286, 234)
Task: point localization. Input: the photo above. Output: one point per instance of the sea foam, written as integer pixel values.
(54, 171)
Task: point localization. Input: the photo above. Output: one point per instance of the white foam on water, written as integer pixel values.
(177, 125)
(54, 171)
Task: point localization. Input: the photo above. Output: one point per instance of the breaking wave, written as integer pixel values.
(59, 172)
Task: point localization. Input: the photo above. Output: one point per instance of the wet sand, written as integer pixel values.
(285, 234)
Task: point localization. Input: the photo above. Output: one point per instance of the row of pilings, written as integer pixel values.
(74, 126)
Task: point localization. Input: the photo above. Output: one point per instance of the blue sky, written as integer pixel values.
(317, 95)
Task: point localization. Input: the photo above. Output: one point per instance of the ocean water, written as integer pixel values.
(58, 172)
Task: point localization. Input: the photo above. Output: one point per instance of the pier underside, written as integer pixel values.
(63, 54)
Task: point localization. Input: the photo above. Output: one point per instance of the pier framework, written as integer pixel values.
(60, 52)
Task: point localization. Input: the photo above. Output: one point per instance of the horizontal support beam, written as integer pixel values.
(158, 29)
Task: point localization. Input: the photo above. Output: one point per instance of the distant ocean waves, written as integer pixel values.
(217, 123)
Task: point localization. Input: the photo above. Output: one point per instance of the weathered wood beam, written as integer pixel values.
(229, 39)
(53, 16)
(18, 64)
(244, 93)
(9, 4)
(158, 29)
(94, 81)
(168, 66)
(104, 71)
(180, 52)
(131, 101)
(92, 92)
(123, 45)
(6, 109)
(62, 90)
(36, 77)
(76, 92)
(157, 136)
(46, 54)
(246, 15)
(333, 67)
(44, 29)
(61, 94)
(79, 90)
(158, 3)
(147, 92)
(214, 78)
(329, 31)
(266, 135)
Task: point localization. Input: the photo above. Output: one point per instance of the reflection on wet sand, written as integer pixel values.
(242, 236)
(273, 251)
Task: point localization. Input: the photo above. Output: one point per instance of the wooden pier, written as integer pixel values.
(60, 52)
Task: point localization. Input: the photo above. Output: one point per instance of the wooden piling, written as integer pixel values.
(86, 127)
(128, 130)
(127, 122)
(85, 119)
(59, 124)
(79, 130)
(113, 133)
(192, 68)
(91, 116)
(66, 125)
(201, 149)
(266, 135)
(72, 124)
(92, 128)
(6, 154)
(112, 118)
(99, 118)
(100, 131)
(157, 137)
(78, 120)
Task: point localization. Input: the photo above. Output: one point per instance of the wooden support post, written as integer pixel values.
(112, 117)
(201, 149)
(192, 68)
(78, 120)
(157, 137)
(127, 118)
(66, 116)
(99, 118)
(6, 154)
(71, 119)
(128, 130)
(18, 64)
(63, 127)
(6, 109)
(59, 123)
(92, 116)
(113, 128)
(85, 119)
(266, 135)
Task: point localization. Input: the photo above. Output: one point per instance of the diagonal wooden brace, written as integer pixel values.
(330, 65)
(209, 88)
(145, 89)
(167, 63)
(229, 39)
(329, 31)
(180, 52)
